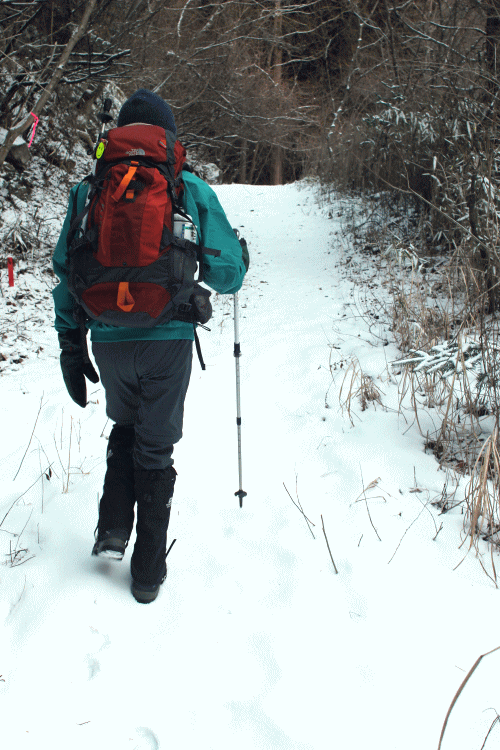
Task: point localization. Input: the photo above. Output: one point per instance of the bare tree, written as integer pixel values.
(231, 72)
(78, 33)
(48, 45)
(418, 113)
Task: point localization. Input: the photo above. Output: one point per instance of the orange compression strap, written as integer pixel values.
(124, 300)
(125, 181)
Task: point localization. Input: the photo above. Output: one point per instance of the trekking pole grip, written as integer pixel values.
(104, 116)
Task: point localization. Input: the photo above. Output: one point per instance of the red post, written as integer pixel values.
(10, 267)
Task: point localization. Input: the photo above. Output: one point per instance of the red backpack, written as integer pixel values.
(125, 267)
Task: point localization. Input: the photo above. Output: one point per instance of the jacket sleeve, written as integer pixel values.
(64, 303)
(225, 273)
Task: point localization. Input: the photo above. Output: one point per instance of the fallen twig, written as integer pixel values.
(407, 530)
(437, 532)
(457, 695)
(102, 433)
(22, 532)
(69, 455)
(299, 507)
(495, 720)
(329, 550)
(370, 486)
(20, 496)
(13, 606)
(31, 438)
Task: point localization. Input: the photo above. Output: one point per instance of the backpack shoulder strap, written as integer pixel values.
(76, 217)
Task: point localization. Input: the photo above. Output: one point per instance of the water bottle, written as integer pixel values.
(183, 226)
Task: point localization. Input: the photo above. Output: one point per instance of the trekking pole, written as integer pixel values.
(104, 116)
(237, 353)
(99, 147)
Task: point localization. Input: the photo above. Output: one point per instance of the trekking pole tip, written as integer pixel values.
(241, 494)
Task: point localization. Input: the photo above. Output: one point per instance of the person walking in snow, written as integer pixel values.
(145, 371)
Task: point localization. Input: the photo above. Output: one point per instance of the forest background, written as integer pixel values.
(393, 99)
(391, 94)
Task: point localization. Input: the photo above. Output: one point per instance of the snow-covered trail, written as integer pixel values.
(254, 642)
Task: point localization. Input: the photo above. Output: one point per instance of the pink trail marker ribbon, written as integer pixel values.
(35, 123)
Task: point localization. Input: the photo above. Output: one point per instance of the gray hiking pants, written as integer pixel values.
(145, 384)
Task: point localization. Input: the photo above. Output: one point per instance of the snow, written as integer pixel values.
(254, 641)
(18, 142)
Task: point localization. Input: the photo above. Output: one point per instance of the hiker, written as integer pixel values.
(145, 371)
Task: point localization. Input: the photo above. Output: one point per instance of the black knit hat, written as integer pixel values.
(145, 106)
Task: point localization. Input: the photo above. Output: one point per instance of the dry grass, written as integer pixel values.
(463, 406)
(482, 518)
(357, 387)
(419, 318)
(433, 303)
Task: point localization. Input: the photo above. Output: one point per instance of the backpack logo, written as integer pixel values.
(136, 152)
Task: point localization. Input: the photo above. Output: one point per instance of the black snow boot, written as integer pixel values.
(153, 491)
(146, 594)
(116, 508)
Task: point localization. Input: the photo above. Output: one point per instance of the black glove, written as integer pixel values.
(75, 366)
(245, 257)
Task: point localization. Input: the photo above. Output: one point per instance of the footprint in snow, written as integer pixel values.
(106, 642)
(150, 742)
(93, 665)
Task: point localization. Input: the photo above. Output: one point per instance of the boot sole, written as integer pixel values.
(110, 554)
(144, 597)
(112, 548)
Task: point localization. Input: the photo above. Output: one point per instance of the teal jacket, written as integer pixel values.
(223, 274)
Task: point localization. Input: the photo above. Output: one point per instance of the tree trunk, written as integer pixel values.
(17, 130)
(253, 165)
(492, 45)
(492, 58)
(86, 103)
(243, 161)
(277, 165)
(277, 153)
